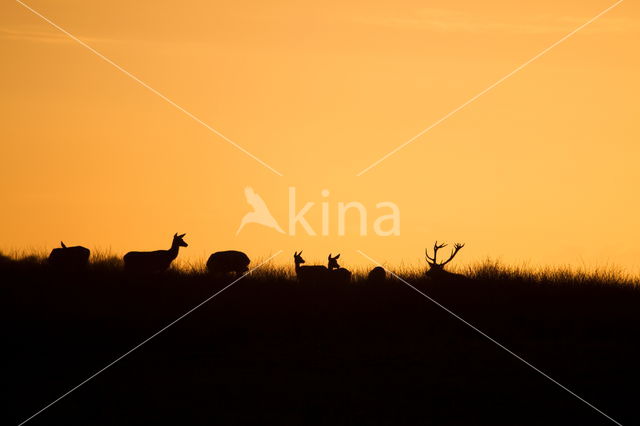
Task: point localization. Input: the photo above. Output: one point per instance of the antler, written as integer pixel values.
(456, 248)
(436, 247)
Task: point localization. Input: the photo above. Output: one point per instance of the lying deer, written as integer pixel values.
(377, 275)
(336, 273)
(309, 274)
(436, 270)
(228, 262)
(154, 261)
(64, 257)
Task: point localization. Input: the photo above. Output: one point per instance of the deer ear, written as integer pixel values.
(62, 244)
(175, 235)
(329, 256)
(182, 236)
(337, 256)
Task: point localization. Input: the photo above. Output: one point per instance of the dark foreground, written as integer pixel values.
(269, 351)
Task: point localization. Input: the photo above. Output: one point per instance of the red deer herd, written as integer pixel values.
(237, 263)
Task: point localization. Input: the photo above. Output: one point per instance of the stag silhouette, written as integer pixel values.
(436, 270)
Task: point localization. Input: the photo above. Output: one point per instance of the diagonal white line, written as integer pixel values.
(146, 340)
(455, 110)
(458, 317)
(192, 116)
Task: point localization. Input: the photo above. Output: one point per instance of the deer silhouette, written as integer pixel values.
(309, 274)
(154, 261)
(337, 273)
(436, 270)
(64, 257)
(226, 262)
(377, 275)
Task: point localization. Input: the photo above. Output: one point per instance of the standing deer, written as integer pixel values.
(436, 270)
(64, 257)
(338, 274)
(154, 261)
(309, 274)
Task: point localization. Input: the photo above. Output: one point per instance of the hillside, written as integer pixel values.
(269, 350)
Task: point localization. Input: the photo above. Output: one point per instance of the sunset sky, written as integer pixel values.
(543, 169)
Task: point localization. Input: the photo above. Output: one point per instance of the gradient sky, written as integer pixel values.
(543, 169)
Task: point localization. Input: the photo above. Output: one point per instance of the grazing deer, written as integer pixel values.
(337, 273)
(64, 257)
(154, 261)
(377, 275)
(436, 270)
(309, 274)
(226, 262)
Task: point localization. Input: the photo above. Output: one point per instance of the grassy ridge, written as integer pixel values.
(269, 350)
(487, 270)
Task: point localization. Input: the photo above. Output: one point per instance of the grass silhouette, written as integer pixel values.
(272, 351)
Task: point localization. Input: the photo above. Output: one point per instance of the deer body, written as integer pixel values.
(154, 261)
(230, 261)
(338, 274)
(377, 275)
(309, 274)
(76, 257)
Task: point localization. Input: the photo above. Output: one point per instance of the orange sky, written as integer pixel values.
(542, 169)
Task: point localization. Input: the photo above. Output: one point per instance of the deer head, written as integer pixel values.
(434, 266)
(297, 258)
(333, 262)
(178, 240)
